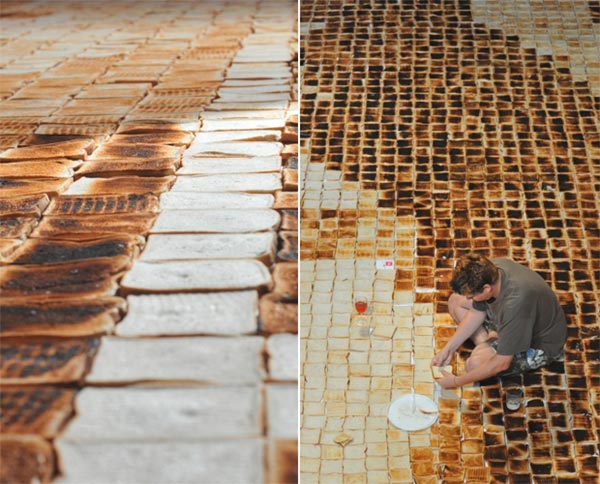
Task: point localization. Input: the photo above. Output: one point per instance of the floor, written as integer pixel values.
(148, 218)
(430, 129)
(148, 241)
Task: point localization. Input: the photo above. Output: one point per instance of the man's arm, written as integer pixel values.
(489, 368)
(470, 323)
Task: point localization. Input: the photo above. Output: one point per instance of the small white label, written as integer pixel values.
(385, 264)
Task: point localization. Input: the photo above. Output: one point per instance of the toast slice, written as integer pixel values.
(436, 370)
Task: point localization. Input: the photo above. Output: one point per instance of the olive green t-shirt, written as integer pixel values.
(527, 312)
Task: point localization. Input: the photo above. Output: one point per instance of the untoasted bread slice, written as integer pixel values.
(436, 370)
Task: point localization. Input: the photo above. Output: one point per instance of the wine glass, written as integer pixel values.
(361, 305)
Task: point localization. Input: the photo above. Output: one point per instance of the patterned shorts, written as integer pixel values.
(529, 360)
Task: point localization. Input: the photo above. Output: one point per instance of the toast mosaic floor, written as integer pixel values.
(148, 230)
(429, 129)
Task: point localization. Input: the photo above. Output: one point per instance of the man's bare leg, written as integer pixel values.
(481, 354)
(458, 306)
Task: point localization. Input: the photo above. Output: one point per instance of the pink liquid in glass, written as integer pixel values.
(361, 307)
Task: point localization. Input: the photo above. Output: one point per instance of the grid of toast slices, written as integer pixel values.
(428, 130)
(148, 241)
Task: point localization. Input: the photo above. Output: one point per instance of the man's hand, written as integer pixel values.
(443, 358)
(489, 364)
(447, 381)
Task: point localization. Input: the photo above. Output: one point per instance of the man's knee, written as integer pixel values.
(454, 301)
(457, 306)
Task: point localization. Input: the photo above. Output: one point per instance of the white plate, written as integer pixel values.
(401, 416)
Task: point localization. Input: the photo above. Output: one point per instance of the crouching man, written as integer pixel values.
(511, 315)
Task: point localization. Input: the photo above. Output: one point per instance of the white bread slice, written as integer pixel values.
(436, 370)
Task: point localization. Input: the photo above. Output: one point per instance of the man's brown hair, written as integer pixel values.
(472, 272)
